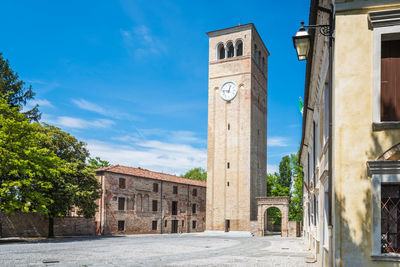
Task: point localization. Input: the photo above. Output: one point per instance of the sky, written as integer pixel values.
(130, 78)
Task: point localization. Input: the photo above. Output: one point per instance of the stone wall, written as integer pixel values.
(35, 225)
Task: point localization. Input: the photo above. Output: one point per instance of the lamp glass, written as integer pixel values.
(302, 42)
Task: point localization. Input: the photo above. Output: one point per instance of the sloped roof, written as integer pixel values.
(151, 175)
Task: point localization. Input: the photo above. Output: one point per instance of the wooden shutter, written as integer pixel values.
(390, 81)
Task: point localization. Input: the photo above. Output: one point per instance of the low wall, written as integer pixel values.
(35, 225)
(294, 229)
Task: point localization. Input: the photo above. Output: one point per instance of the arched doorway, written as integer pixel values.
(272, 221)
(273, 203)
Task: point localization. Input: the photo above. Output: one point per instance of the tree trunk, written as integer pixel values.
(51, 227)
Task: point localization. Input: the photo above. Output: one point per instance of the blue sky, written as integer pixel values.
(130, 77)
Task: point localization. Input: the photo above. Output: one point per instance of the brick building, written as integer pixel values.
(138, 201)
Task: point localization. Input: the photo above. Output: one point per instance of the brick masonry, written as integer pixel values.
(36, 225)
(137, 197)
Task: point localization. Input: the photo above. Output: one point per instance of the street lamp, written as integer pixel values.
(302, 43)
(302, 39)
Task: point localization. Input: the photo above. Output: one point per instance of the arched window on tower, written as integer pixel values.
(239, 48)
(231, 50)
(221, 51)
(259, 59)
(255, 53)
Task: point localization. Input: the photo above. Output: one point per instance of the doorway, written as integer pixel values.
(272, 221)
(227, 225)
(174, 226)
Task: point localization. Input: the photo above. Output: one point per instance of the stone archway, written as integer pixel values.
(264, 203)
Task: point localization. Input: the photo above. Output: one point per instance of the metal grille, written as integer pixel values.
(390, 216)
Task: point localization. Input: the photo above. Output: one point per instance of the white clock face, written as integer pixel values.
(228, 91)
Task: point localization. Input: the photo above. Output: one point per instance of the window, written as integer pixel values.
(390, 220)
(154, 225)
(231, 50)
(166, 223)
(326, 113)
(183, 223)
(194, 224)
(155, 205)
(133, 202)
(194, 208)
(390, 83)
(121, 226)
(263, 65)
(175, 190)
(227, 165)
(259, 58)
(227, 183)
(386, 67)
(229, 126)
(220, 51)
(121, 203)
(174, 207)
(155, 187)
(146, 203)
(139, 203)
(255, 53)
(385, 176)
(122, 183)
(239, 48)
(195, 192)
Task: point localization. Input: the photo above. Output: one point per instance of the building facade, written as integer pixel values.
(138, 201)
(237, 127)
(360, 226)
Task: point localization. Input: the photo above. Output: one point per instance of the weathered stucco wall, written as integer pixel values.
(354, 140)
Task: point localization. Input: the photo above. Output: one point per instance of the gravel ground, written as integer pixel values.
(197, 249)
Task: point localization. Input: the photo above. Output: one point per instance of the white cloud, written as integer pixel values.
(277, 141)
(141, 42)
(83, 104)
(109, 112)
(271, 168)
(151, 154)
(77, 123)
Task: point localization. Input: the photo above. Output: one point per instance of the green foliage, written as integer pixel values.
(27, 169)
(78, 185)
(196, 174)
(97, 163)
(14, 91)
(285, 172)
(281, 185)
(296, 203)
(274, 186)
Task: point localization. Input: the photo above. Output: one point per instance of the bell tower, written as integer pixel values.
(237, 127)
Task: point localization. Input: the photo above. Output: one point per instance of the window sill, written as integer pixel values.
(387, 125)
(386, 257)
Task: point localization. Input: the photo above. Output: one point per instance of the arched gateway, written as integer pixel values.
(264, 203)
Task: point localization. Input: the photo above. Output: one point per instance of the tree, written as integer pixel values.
(26, 168)
(196, 174)
(14, 91)
(285, 172)
(274, 187)
(296, 203)
(78, 185)
(97, 163)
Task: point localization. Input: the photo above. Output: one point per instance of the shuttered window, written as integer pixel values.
(390, 80)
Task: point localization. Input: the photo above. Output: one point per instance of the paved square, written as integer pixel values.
(197, 249)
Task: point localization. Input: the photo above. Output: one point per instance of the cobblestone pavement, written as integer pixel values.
(154, 250)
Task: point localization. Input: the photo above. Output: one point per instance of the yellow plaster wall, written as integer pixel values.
(354, 140)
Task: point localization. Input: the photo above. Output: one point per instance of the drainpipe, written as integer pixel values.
(188, 207)
(161, 229)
